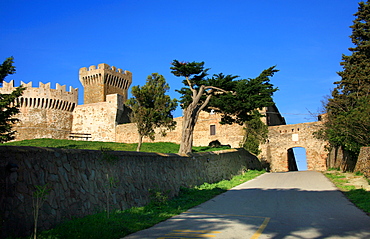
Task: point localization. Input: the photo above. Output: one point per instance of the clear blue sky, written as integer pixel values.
(51, 40)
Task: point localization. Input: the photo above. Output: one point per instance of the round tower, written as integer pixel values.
(44, 112)
(98, 82)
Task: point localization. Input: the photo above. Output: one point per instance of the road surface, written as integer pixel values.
(274, 205)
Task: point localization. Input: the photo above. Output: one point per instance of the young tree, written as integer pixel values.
(7, 107)
(152, 108)
(234, 99)
(348, 109)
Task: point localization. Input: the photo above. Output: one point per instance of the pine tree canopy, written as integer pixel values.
(348, 123)
(234, 98)
(7, 107)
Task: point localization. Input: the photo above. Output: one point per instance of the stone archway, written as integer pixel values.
(284, 137)
(299, 158)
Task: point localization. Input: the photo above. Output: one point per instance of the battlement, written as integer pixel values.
(102, 80)
(43, 96)
(11, 86)
(106, 67)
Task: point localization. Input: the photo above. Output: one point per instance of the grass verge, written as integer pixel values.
(122, 223)
(359, 197)
(161, 147)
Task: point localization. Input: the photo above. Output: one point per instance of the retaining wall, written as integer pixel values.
(363, 162)
(79, 179)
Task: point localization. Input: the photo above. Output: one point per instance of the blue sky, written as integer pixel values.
(51, 40)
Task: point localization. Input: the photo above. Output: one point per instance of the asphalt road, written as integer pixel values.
(274, 205)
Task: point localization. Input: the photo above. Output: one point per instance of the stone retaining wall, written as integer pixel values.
(363, 162)
(79, 179)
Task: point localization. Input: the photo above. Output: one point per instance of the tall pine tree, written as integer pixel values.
(7, 107)
(348, 122)
(235, 99)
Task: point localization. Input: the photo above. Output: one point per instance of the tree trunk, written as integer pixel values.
(139, 143)
(189, 121)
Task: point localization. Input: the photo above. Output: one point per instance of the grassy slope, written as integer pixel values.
(161, 147)
(122, 223)
(359, 197)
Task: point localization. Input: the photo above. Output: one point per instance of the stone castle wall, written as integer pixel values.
(104, 80)
(48, 113)
(78, 180)
(44, 112)
(99, 119)
(284, 137)
(227, 134)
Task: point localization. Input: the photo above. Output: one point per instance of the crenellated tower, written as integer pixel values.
(98, 82)
(44, 112)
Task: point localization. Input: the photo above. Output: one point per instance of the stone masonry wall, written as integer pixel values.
(98, 119)
(44, 112)
(227, 134)
(284, 137)
(363, 162)
(78, 180)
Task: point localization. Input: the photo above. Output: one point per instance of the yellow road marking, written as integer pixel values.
(261, 228)
(201, 231)
(175, 237)
(232, 215)
(190, 235)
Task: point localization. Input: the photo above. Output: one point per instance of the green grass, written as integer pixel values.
(359, 197)
(161, 147)
(340, 181)
(122, 223)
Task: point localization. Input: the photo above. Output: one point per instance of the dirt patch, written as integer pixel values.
(357, 181)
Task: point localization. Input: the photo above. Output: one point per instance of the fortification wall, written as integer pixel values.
(206, 130)
(104, 80)
(99, 119)
(284, 137)
(77, 180)
(44, 112)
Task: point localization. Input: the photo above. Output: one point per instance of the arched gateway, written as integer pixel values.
(277, 151)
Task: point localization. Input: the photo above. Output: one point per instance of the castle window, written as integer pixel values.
(212, 129)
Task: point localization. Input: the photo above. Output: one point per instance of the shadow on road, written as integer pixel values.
(287, 213)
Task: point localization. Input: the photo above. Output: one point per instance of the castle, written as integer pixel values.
(55, 113)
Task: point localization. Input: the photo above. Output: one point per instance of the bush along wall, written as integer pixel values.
(82, 182)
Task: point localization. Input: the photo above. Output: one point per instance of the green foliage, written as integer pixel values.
(6, 68)
(108, 147)
(359, 197)
(7, 107)
(236, 99)
(256, 133)
(39, 197)
(158, 198)
(348, 109)
(122, 223)
(209, 148)
(112, 183)
(107, 155)
(244, 96)
(151, 107)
